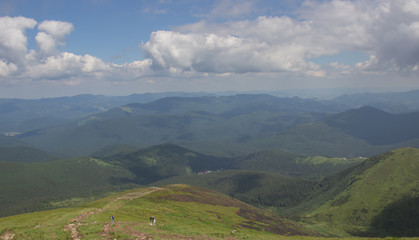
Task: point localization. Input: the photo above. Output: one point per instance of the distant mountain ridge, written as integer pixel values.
(29, 114)
(231, 125)
(376, 126)
(181, 120)
(225, 106)
(393, 102)
(366, 131)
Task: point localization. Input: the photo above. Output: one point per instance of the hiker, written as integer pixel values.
(152, 221)
(112, 218)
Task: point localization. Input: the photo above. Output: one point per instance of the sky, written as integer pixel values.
(51, 48)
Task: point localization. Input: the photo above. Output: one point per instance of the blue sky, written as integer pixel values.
(54, 48)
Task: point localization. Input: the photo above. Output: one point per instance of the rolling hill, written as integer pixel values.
(29, 186)
(297, 165)
(262, 189)
(42, 185)
(376, 126)
(182, 212)
(365, 131)
(21, 115)
(376, 198)
(24, 154)
(393, 102)
(164, 161)
(235, 125)
(191, 122)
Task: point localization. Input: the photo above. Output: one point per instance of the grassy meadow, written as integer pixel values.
(182, 212)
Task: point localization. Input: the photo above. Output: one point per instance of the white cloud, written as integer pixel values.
(17, 62)
(387, 30)
(7, 69)
(410, 6)
(56, 29)
(13, 41)
(53, 35)
(46, 43)
(209, 52)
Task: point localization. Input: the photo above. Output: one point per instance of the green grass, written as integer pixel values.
(181, 211)
(318, 160)
(132, 209)
(379, 182)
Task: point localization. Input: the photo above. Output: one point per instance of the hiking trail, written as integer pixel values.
(113, 205)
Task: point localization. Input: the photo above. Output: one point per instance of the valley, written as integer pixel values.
(246, 166)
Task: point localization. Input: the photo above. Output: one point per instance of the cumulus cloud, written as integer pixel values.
(52, 35)
(66, 65)
(221, 53)
(13, 40)
(7, 69)
(385, 30)
(49, 63)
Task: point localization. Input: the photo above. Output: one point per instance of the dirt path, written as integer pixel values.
(76, 223)
(119, 202)
(112, 206)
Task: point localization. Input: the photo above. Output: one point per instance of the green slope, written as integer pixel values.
(24, 154)
(318, 138)
(166, 160)
(376, 126)
(27, 187)
(263, 189)
(181, 211)
(288, 163)
(372, 194)
(33, 186)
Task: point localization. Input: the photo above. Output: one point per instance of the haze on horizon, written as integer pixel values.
(62, 48)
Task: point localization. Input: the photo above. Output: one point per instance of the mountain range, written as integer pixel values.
(373, 197)
(234, 125)
(331, 168)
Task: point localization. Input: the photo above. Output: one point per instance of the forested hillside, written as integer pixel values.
(37, 185)
(376, 198)
(234, 126)
(200, 123)
(312, 161)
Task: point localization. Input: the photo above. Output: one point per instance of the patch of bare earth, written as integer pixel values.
(8, 235)
(76, 223)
